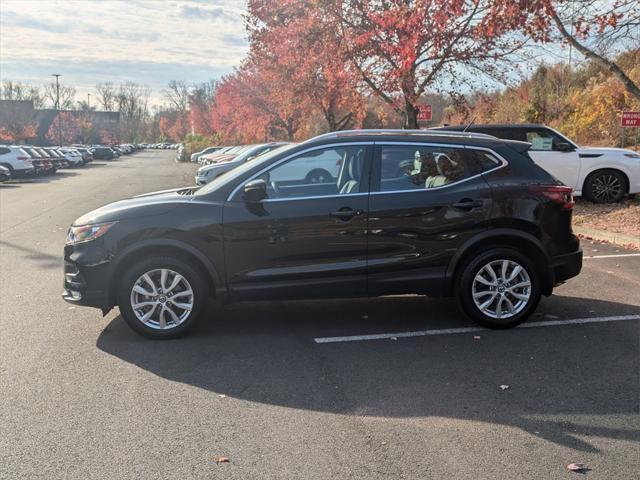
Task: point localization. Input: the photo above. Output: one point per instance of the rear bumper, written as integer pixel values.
(566, 266)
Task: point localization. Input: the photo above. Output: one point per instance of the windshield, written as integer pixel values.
(241, 170)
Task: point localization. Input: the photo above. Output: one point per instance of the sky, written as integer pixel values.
(146, 41)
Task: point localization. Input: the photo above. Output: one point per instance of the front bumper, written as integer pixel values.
(86, 279)
(201, 181)
(566, 266)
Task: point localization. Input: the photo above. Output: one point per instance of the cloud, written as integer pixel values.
(208, 13)
(10, 19)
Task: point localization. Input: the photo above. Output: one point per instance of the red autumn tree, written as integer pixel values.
(65, 129)
(297, 37)
(401, 48)
(258, 102)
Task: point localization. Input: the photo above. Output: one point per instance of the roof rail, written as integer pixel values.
(391, 131)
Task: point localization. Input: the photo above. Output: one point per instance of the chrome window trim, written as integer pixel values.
(289, 157)
(503, 163)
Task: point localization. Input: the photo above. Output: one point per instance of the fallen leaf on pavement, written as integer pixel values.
(219, 459)
(394, 338)
(476, 337)
(504, 387)
(577, 467)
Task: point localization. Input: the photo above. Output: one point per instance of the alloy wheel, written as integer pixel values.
(162, 299)
(606, 188)
(501, 289)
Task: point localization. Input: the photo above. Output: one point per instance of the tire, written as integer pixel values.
(605, 186)
(162, 301)
(318, 175)
(468, 284)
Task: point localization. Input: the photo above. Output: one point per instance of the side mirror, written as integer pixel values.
(564, 147)
(255, 191)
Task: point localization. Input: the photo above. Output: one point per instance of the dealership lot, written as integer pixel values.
(399, 387)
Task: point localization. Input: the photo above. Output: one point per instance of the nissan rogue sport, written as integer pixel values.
(404, 212)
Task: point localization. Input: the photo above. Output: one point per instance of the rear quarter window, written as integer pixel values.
(4, 150)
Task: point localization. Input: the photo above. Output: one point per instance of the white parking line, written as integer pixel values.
(452, 331)
(614, 256)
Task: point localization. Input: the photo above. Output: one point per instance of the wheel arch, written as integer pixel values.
(170, 247)
(615, 168)
(501, 237)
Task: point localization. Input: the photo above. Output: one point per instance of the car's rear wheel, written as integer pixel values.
(499, 288)
(605, 186)
(162, 297)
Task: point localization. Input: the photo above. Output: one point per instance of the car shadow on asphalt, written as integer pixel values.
(59, 175)
(563, 382)
(44, 260)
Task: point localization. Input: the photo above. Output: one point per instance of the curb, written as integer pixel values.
(610, 237)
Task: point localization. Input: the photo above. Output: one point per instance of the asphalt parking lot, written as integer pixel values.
(398, 387)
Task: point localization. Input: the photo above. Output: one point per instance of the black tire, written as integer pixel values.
(190, 272)
(605, 186)
(465, 280)
(318, 175)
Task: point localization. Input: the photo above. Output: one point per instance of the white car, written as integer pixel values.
(16, 160)
(603, 175)
(73, 156)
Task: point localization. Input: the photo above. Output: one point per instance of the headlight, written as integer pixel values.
(632, 155)
(87, 233)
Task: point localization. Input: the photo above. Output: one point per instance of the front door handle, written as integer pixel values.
(346, 213)
(468, 204)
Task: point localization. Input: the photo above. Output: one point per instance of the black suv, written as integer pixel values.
(436, 213)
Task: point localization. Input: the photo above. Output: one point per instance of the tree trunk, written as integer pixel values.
(410, 115)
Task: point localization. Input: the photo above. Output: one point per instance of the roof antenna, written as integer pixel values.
(470, 123)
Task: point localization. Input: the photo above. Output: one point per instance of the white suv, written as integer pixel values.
(16, 160)
(603, 175)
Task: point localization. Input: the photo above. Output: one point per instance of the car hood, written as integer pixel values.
(155, 203)
(213, 166)
(604, 150)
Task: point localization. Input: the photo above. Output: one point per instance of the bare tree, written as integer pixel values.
(67, 95)
(106, 95)
(177, 95)
(132, 100)
(595, 28)
(10, 90)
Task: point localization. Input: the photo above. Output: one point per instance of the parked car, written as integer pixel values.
(195, 156)
(5, 174)
(57, 158)
(16, 160)
(73, 156)
(204, 159)
(485, 224)
(208, 172)
(602, 175)
(87, 156)
(42, 159)
(102, 153)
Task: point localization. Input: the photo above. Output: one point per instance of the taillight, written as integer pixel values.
(560, 194)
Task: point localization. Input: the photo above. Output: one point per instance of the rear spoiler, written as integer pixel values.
(518, 146)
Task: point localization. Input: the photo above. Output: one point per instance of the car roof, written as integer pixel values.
(489, 125)
(430, 136)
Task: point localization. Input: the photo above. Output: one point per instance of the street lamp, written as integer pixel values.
(57, 75)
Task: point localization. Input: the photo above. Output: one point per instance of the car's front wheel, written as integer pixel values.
(162, 297)
(605, 186)
(499, 288)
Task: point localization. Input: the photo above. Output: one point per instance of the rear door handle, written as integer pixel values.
(468, 204)
(346, 213)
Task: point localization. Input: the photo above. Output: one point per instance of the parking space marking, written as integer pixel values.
(614, 256)
(453, 331)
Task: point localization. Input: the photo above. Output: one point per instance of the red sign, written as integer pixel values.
(631, 119)
(424, 112)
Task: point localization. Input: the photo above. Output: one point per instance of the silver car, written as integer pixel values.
(208, 172)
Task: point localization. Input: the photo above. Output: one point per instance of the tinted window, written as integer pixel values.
(330, 171)
(4, 150)
(414, 167)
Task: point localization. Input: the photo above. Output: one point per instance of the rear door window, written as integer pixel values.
(418, 167)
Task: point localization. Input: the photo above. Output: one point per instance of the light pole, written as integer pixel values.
(57, 75)
(88, 101)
